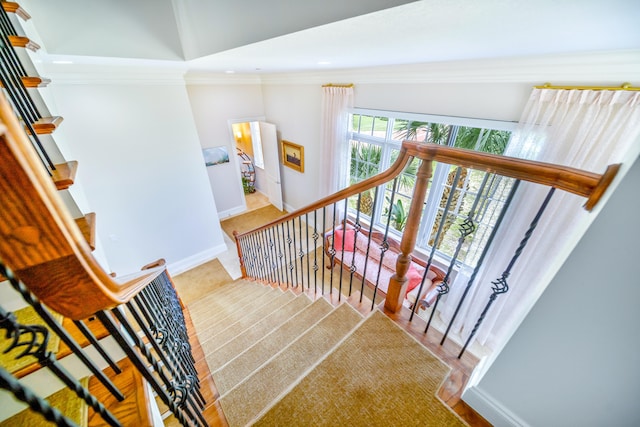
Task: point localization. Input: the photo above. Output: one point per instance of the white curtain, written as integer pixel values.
(585, 129)
(336, 102)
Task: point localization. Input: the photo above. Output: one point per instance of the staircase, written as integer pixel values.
(278, 357)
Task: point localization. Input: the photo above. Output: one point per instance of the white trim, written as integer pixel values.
(230, 212)
(193, 261)
(490, 409)
(603, 67)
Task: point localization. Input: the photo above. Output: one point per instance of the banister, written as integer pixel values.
(583, 183)
(41, 242)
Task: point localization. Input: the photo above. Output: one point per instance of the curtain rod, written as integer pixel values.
(338, 85)
(623, 86)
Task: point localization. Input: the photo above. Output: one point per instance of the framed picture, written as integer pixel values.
(216, 155)
(293, 155)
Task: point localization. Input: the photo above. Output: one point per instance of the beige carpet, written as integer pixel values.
(286, 361)
(250, 220)
(199, 282)
(377, 377)
(66, 401)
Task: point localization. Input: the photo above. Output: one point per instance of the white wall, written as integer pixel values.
(142, 172)
(575, 360)
(213, 105)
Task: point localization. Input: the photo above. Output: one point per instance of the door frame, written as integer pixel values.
(230, 123)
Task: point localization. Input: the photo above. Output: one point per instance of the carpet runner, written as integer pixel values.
(280, 359)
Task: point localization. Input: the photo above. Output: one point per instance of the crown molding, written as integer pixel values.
(602, 67)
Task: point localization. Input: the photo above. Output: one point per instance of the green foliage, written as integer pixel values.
(365, 161)
(398, 215)
(247, 186)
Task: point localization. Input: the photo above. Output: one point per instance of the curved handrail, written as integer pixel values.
(40, 241)
(583, 183)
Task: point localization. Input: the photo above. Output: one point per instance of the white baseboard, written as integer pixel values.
(233, 211)
(193, 261)
(490, 409)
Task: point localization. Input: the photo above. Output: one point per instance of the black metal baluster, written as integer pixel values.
(344, 233)
(443, 287)
(500, 285)
(306, 223)
(292, 261)
(113, 329)
(285, 259)
(316, 236)
(280, 246)
(324, 230)
(384, 247)
(366, 260)
(274, 252)
(96, 344)
(60, 331)
(33, 340)
(35, 402)
(332, 249)
(357, 227)
(295, 254)
(480, 262)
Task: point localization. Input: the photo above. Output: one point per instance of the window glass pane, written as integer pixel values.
(374, 148)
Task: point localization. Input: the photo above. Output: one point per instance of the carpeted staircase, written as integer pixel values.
(279, 358)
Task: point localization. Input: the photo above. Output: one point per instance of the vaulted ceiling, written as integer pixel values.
(264, 36)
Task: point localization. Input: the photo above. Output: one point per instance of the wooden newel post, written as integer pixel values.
(243, 269)
(398, 282)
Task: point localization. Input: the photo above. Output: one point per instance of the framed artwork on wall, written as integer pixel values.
(293, 155)
(215, 155)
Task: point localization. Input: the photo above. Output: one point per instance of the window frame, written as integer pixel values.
(440, 173)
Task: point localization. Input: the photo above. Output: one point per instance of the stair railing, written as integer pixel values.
(297, 249)
(50, 258)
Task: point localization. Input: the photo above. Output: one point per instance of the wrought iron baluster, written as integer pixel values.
(324, 230)
(384, 246)
(35, 402)
(294, 275)
(366, 260)
(332, 249)
(344, 232)
(316, 236)
(109, 323)
(96, 344)
(306, 223)
(443, 287)
(500, 285)
(480, 262)
(60, 331)
(33, 340)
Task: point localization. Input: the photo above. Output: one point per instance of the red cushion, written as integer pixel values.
(349, 239)
(414, 278)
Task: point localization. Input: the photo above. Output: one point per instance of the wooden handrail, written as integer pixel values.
(583, 183)
(40, 241)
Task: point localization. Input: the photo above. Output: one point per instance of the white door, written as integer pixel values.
(269, 140)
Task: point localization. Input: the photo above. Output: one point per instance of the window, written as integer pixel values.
(375, 140)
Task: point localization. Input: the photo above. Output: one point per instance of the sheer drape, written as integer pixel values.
(336, 102)
(579, 128)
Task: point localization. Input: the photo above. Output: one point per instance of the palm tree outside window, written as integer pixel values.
(375, 139)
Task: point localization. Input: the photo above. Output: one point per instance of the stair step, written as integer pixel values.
(87, 225)
(65, 174)
(134, 409)
(65, 400)
(236, 313)
(29, 365)
(24, 42)
(12, 7)
(255, 393)
(35, 82)
(223, 354)
(247, 321)
(46, 125)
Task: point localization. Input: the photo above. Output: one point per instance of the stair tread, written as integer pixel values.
(223, 354)
(34, 82)
(87, 225)
(29, 365)
(65, 400)
(25, 42)
(256, 392)
(13, 7)
(65, 174)
(134, 409)
(47, 125)
(247, 321)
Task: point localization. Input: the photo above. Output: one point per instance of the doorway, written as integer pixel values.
(256, 145)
